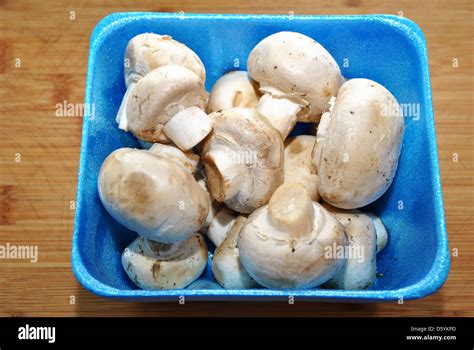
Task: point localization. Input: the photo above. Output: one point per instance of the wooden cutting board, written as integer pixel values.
(43, 60)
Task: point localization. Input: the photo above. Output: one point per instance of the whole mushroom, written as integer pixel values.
(226, 266)
(359, 269)
(297, 76)
(284, 244)
(243, 159)
(151, 195)
(233, 89)
(148, 51)
(153, 265)
(167, 105)
(298, 164)
(358, 145)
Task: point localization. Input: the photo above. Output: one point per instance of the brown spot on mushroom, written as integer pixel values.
(159, 248)
(327, 91)
(136, 189)
(275, 67)
(295, 147)
(202, 214)
(155, 269)
(237, 98)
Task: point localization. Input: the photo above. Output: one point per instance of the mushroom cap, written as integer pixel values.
(158, 96)
(243, 139)
(153, 265)
(148, 51)
(294, 66)
(233, 89)
(278, 252)
(298, 163)
(359, 269)
(359, 144)
(188, 160)
(151, 195)
(226, 266)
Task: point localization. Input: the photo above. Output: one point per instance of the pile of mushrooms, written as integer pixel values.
(280, 211)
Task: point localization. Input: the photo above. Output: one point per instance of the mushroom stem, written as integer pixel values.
(320, 137)
(380, 232)
(291, 209)
(225, 175)
(280, 112)
(121, 117)
(221, 225)
(163, 251)
(188, 127)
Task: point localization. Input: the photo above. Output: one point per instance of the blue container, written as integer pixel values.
(390, 50)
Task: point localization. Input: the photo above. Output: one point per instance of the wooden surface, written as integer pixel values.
(35, 192)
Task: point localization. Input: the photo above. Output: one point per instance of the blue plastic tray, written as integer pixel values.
(387, 49)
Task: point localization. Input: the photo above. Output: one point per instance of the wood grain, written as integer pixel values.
(35, 192)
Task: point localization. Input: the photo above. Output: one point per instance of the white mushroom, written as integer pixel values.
(153, 265)
(151, 195)
(243, 159)
(167, 104)
(297, 75)
(221, 225)
(214, 206)
(284, 244)
(359, 269)
(298, 163)
(358, 147)
(226, 266)
(188, 160)
(380, 230)
(148, 51)
(233, 89)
